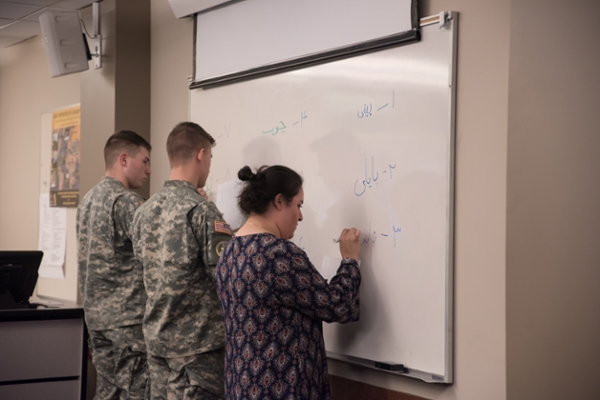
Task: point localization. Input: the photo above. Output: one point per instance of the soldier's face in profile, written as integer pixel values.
(205, 161)
(138, 168)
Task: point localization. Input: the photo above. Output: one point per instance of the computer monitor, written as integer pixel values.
(18, 276)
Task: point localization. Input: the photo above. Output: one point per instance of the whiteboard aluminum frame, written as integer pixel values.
(446, 20)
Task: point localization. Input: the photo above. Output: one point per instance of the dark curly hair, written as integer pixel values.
(262, 187)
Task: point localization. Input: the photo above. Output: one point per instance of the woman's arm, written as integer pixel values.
(298, 285)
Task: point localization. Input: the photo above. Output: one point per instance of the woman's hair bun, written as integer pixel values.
(246, 174)
(263, 186)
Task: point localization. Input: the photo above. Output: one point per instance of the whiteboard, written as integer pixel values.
(373, 137)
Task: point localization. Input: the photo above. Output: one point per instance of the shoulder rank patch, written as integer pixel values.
(223, 227)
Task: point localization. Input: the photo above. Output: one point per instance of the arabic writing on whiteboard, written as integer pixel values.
(371, 236)
(227, 131)
(281, 126)
(360, 187)
(367, 110)
(389, 234)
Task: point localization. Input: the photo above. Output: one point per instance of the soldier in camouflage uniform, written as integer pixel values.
(110, 277)
(178, 236)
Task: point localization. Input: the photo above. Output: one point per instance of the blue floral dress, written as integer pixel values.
(274, 302)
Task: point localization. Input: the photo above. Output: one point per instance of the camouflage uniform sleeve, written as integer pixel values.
(80, 233)
(212, 233)
(123, 211)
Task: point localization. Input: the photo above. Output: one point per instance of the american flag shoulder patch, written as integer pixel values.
(223, 227)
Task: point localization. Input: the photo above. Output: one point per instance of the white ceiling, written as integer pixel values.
(19, 18)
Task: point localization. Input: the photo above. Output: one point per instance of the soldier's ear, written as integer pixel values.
(201, 154)
(123, 159)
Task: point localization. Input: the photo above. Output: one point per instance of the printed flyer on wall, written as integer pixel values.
(64, 171)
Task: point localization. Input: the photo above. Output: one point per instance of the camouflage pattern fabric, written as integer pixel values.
(197, 377)
(119, 356)
(177, 236)
(110, 277)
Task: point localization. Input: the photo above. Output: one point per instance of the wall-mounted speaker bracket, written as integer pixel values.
(97, 36)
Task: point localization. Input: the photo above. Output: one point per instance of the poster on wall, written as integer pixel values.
(64, 170)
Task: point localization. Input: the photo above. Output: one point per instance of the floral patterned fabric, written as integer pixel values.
(274, 302)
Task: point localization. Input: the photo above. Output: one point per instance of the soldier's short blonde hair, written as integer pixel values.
(185, 141)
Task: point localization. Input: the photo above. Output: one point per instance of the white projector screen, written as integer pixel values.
(245, 35)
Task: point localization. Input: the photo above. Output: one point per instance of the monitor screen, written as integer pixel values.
(18, 276)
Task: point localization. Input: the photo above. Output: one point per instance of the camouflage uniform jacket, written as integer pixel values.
(178, 236)
(110, 277)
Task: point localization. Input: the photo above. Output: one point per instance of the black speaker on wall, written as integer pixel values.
(65, 44)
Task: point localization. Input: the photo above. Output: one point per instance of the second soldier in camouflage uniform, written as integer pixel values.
(178, 237)
(110, 277)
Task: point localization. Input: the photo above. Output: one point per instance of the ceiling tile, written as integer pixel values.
(40, 3)
(15, 11)
(35, 17)
(5, 42)
(21, 29)
(27, 13)
(74, 4)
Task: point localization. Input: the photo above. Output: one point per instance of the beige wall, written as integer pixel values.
(553, 210)
(172, 55)
(26, 92)
(116, 96)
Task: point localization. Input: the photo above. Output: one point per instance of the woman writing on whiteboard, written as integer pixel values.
(273, 298)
